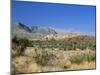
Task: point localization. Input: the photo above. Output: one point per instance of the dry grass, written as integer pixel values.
(27, 64)
(81, 60)
(82, 57)
(83, 65)
(33, 67)
(24, 64)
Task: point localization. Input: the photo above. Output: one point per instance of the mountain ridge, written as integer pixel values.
(31, 32)
(42, 33)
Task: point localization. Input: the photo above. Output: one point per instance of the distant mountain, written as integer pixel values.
(22, 26)
(44, 33)
(31, 32)
(42, 30)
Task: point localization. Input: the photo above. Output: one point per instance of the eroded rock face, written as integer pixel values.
(60, 36)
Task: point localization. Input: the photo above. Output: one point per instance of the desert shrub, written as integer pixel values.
(76, 59)
(19, 44)
(66, 45)
(89, 56)
(43, 56)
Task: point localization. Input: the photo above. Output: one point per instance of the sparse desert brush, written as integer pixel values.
(44, 56)
(90, 56)
(79, 58)
(76, 59)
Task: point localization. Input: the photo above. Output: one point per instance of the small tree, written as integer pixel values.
(19, 44)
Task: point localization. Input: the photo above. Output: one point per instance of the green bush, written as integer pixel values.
(90, 56)
(76, 59)
(19, 44)
(82, 57)
(66, 45)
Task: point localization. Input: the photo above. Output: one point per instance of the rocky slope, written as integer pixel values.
(31, 32)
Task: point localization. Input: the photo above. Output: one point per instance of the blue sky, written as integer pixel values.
(66, 18)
